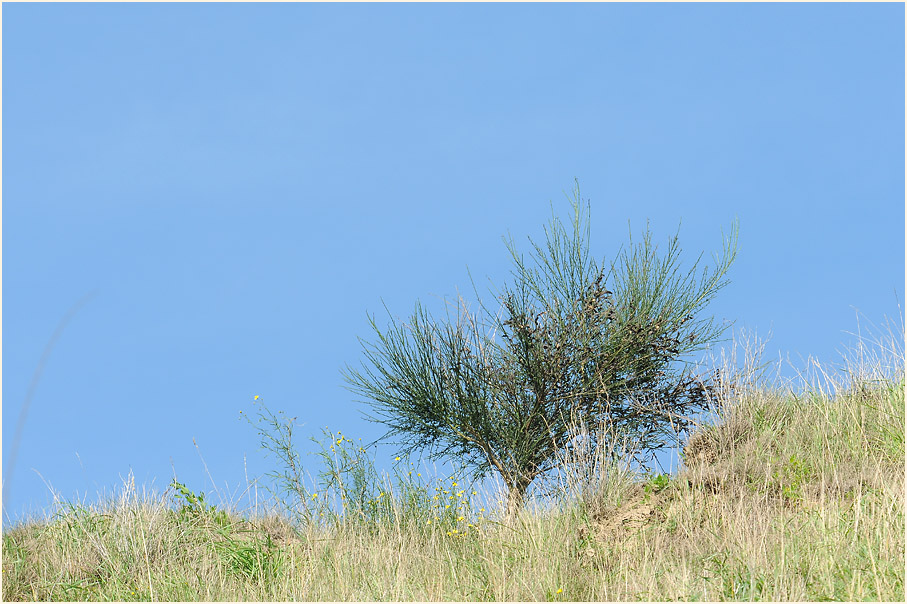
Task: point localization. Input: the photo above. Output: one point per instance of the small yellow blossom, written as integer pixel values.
(560, 591)
(396, 459)
(255, 398)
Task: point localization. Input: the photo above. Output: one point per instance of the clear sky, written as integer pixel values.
(241, 184)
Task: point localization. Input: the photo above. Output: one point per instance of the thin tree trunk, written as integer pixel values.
(515, 497)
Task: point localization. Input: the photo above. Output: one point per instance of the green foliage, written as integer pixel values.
(655, 483)
(401, 499)
(348, 489)
(350, 474)
(734, 579)
(257, 559)
(888, 424)
(276, 437)
(505, 390)
(791, 476)
(77, 522)
(194, 507)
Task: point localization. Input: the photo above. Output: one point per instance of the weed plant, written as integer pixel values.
(788, 492)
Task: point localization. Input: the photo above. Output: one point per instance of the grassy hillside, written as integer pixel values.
(783, 497)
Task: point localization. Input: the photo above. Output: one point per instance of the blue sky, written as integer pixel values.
(241, 184)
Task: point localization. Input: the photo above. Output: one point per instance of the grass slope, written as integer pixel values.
(783, 497)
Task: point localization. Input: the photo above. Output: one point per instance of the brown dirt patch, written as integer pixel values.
(638, 510)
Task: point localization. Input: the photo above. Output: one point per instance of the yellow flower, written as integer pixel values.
(428, 521)
(560, 591)
(255, 398)
(396, 459)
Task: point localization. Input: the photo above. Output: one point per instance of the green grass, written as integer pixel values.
(783, 497)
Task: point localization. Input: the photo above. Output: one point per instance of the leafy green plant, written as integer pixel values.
(655, 484)
(255, 558)
(791, 476)
(193, 506)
